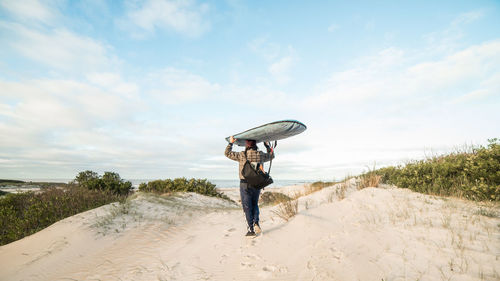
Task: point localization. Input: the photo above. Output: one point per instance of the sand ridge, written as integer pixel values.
(372, 234)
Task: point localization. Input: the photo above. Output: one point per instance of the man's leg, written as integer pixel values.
(255, 205)
(246, 203)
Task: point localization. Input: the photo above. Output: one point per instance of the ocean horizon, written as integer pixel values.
(220, 183)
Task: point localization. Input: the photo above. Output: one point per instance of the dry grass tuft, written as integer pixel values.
(341, 190)
(314, 187)
(273, 198)
(369, 179)
(287, 209)
(487, 212)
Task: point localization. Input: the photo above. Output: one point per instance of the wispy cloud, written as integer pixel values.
(59, 48)
(281, 59)
(447, 39)
(143, 18)
(333, 27)
(281, 68)
(29, 10)
(394, 76)
(174, 86)
(468, 17)
(264, 48)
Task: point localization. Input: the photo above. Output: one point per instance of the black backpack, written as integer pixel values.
(255, 176)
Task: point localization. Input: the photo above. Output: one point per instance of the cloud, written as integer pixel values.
(262, 47)
(280, 69)
(463, 71)
(29, 10)
(392, 74)
(385, 107)
(174, 86)
(468, 17)
(281, 60)
(371, 77)
(63, 125)
(45, 104)
(184, 17)
(333, 27)
(448, 39)
(59, 48)
(370, 25)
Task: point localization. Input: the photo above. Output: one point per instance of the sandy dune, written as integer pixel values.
(372, 234)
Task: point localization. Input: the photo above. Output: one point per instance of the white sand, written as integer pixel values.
(372, 234)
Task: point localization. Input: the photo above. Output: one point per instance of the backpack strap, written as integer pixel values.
(271, 161)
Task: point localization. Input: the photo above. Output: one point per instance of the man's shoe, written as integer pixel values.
(251, 233)
(257, 228)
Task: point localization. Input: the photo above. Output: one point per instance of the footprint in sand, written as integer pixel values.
(223, 259)
(271, 270)
(247, 265)
(253, 257)
(229, 231)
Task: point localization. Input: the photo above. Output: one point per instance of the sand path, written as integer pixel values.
(372, 234)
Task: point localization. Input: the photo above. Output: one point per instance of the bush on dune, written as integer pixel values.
(474, 174)
(23, 214)
(108, 182)
(201, 186)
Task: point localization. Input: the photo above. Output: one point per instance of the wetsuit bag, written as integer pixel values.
(256, 177)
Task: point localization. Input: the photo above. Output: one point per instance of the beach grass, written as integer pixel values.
(472, 173)
(273, 198)
(287, 209)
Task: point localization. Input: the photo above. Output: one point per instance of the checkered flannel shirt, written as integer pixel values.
(253, 156)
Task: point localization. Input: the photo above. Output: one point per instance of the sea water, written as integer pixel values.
(234, 183)
(221, 183)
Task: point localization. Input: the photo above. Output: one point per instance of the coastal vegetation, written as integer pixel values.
(369, 179)
(473, 173)
(201, 186)
(108, 182)
(273, 198)
(22, 214)
(288, 207)
(322, 184)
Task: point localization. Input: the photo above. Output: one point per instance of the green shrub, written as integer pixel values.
(25, 213)
(109, 182)
(473, 174)
(201, 186)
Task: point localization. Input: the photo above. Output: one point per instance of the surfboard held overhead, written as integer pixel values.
(270, 132)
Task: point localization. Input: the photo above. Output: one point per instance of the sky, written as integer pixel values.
(150, 88)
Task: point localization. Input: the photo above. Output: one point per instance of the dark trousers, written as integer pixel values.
(250, 202)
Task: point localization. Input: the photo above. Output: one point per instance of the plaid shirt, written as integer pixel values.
(253, 156)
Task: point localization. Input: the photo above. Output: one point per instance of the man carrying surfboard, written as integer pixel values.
(249, 194)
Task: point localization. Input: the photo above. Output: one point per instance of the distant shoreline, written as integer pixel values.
(35, 184)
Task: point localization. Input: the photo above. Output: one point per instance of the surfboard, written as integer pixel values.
(270, 132)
